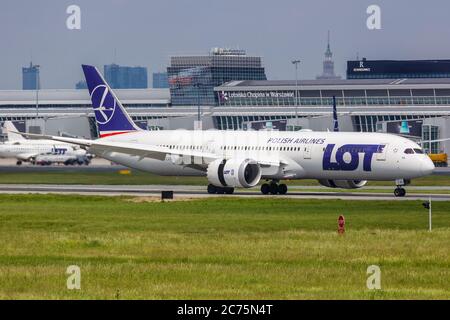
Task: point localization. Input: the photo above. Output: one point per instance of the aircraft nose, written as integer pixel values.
(427, 166)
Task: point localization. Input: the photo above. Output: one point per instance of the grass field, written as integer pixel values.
(221, 248)
(72, 176)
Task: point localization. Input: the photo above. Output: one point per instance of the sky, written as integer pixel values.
(147, 33)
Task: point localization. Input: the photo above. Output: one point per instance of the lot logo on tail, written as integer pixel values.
(103, 103)
(352, 162)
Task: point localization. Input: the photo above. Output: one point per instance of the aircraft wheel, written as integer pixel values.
(19, 162)
(220, 190)
(282, 189)
(229, 190)
(402, 192)
(399, 192)
(273, 188)
(212, 189)
(265, 188)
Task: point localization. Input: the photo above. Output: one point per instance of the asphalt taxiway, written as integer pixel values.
(183, 191)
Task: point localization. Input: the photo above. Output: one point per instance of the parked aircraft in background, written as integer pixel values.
(29, 150)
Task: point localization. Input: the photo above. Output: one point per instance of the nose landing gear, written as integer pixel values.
(400, 191)
(273, 188)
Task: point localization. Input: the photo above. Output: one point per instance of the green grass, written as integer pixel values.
(143, 178)
(221, 248)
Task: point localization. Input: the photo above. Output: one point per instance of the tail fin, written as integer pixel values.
(111, 116)
(11, 132)
(335, 117)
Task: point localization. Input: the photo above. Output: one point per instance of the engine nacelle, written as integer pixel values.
(345, 184)
(244, 173)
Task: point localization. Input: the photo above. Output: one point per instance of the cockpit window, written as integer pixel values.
(409, 151)
(419, 151)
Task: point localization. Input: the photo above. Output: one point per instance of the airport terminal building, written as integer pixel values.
(364, 105)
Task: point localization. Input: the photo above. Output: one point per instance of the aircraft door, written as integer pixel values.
(211, 146)
(381, 154)
(306, 152)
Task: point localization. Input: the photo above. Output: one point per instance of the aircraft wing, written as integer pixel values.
(101, 146)
(432, 141)
(80, 142)
(145, 151)
(159, 153)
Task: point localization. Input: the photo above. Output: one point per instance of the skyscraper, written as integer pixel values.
(192, 78)
(123, 77)
(328, 64)
(160, 80)
(30, 77)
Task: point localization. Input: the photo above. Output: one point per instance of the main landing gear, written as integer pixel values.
(273, 188)
(400, 191)
(212, 189)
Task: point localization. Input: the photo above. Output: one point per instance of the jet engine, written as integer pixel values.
(244, 173)
(345, 184)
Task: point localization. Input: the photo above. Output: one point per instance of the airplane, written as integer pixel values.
(231, 159)
(28, 150)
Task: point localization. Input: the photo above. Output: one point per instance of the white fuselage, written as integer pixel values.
(285, 155)
(25, 150)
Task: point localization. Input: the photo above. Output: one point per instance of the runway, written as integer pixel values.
(200, 192)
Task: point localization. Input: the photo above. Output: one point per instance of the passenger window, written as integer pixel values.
(409, 151)
(419, 151)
